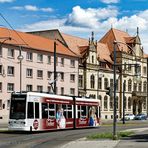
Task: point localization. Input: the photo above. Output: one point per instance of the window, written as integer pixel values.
(129, 85)
(129, 103)
(111, 103)
(117, 102)
(72, 91)
(29, 73)
(144, 70)
(39, 74)
(8, 104)
(11, 53)
(72, 63)
(49, 59)
(10, 87)
(72, 78)
(28, 87)
(105, 103)
(10, 71)
(92, 59)
(0, 86)
(92, 81)
(139, 88)
(117, 85)
(39, 88)
(62, 90)
(111, 83)
(80, 81)
(129, 68)
(40, 58)
(36, 110)
(44, 110)
(144, 103)
(30, 111)
(62, 62)
(62, 76)
(100, 83)
(49, 73)
(135, 86)
(125, 100)
(105, 83)
(29, 56)
(144, 86)
(1, 104)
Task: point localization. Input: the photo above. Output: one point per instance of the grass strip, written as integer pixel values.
(109, 135)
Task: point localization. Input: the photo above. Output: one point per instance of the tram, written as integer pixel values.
(34, 111)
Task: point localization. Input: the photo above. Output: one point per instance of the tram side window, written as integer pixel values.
(51, 110)
(69, 108)
(84, 111)
(36, 110)
(30, 112)
(44, 110)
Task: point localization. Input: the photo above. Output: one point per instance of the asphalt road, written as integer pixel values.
(55, 139)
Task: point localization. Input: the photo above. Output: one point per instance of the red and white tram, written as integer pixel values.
(32, 111)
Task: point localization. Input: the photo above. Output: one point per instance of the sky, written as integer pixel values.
(78, 17)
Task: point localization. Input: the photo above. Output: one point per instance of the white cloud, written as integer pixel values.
(110, 1)
(90, 17)
(82, 21)
(32, 8)
(4, 1)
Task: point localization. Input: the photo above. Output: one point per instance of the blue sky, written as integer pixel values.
(78, 17)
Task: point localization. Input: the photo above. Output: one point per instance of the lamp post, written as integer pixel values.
(20, 58)
(115, 84)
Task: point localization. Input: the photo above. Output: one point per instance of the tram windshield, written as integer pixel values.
(18, 107)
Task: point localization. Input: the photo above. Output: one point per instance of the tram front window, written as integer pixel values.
(18, 108)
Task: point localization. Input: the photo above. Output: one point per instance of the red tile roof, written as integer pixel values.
(75, 42)
(34, 42)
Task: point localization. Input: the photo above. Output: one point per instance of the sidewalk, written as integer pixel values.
(138, 140)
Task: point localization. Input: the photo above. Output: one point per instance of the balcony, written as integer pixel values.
(139, 94)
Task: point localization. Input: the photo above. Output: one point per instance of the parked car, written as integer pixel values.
(129, 116)
(141, 117)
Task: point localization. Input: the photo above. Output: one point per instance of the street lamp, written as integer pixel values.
(115, 85)
(20, 58)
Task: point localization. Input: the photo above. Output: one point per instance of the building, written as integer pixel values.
(96, 69)
(35, 70)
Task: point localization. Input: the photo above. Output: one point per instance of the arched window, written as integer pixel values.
(111, 103)
(92, 59)
(135, 86)
(129, 103)
(129, 85)
(117, 102)
(105, 83)
(144, 86)
(139, 88)
(144, 103)
(105, 103)
(125, 100)
(92, 81)
(100, 98)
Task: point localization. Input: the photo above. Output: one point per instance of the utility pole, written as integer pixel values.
(115, 105)
(55, 64)
(124, 102)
